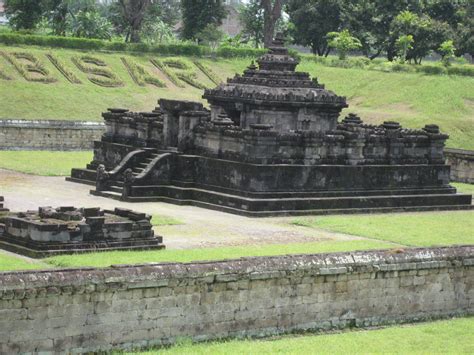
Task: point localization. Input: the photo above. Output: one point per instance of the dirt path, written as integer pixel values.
(201, 228)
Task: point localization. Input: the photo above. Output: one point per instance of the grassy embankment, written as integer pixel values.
(411, 98)
(44, 163)
(442, 337)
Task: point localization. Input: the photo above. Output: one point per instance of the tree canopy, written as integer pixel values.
(197, 14)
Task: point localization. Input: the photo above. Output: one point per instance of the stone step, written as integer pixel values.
(115, 188)
(110, 194)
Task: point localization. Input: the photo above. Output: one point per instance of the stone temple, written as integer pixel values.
(69, 230)
(271, 143)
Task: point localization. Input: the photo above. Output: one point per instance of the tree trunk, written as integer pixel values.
(135, 35)
(272, 13)
(373, 56)
(134, 12)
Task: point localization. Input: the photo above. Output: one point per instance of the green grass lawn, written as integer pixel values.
(413, 99)
(140, 257)
(441, 337)
(44, 162)
(162, 220)
(411, 229)
(10, 262)
(464, 188)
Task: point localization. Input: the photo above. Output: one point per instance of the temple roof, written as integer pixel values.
(275, 81)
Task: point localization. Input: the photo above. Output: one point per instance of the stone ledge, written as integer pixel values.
(51, 124)
(468, 154)
(16, 285)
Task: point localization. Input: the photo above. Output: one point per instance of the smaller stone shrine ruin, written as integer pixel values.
(271, 143)
(2, 207)
(67, 230)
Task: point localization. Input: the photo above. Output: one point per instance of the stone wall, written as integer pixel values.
(462, 164)
(151, 305)
(49, 135)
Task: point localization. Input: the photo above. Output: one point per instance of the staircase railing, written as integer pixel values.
(106, 178)
(156, 172)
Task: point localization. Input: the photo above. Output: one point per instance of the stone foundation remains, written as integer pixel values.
(125, 307)
(67, 230)
(48, 134)
(2, 208)
(462, 164)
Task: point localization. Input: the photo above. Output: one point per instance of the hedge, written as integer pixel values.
(365, 63)
(184, 49)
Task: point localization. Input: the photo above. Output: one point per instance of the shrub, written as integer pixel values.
(431, 69)
(102, 75)
(208, 72)
(177, 63)
(189, 77)
(69, 75)
(400, 67)
(447, 50)
(184, 49)
(4, 76)
(466, 70)
(15, 38)
(343, 42)
(139, 74)
(34, 66)
(166, 70)
(232, 52)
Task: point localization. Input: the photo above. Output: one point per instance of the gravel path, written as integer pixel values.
(201, 228)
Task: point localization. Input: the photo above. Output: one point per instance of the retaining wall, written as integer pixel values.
(49, 135)
(462, 164)
(151, 305)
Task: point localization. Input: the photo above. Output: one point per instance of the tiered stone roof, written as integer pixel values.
(275, 82)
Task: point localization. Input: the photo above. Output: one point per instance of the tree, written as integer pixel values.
(160, 16)
(370, 21)
(447, 49)
(403, 44)
(343, 42)
(211, 35)
(90, 24)
(24, 14)
(428, 34)
(197, 14)
(133, 12)
(271, 14)
(312, 20)
(168, 11)
(157, 31)
(252, 19)
(464, 39)
(80, 18)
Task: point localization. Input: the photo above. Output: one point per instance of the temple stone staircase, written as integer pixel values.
(116, 188)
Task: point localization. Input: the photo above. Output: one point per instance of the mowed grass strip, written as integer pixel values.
(441, 337)
(11, 263)
(164, 220)
(424, 229)
(105, 259)
(45, 163)
(464, 188)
